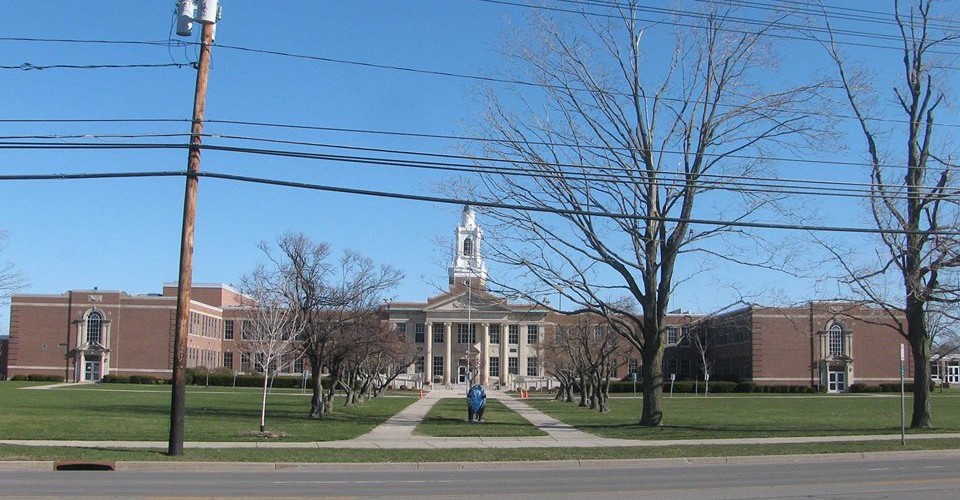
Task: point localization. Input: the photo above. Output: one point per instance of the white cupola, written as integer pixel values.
(468, 263)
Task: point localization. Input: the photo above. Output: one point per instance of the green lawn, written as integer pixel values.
(733, 416)
(122, 412)
(447, 419)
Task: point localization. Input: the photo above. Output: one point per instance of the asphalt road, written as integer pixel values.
(808, 478)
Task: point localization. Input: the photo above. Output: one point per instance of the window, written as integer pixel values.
(438, 366)
(494, 334)
(244, 362)
(598, 332)
(246, 330)
(466, 334)
(533, 334)
(228, 329)
(684, 337)
(836, 340)
(533, 367)
(95, 328)
(672, 366)
(673, 335)
(468, 247)
(633, 366)
(298, 366)
(402, 327)
(513, 365)
(438, 334)
(684, 372)
(228, 360)
(418, 334)
(514, 334)
(418, 368)
(494, 367)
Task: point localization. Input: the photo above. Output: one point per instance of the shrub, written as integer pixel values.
(19, 378)
(34, 377)
(115, 379)
(722, 386)
(745, 387)
(142, 379)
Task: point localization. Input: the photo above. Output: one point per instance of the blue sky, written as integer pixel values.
(124, 234)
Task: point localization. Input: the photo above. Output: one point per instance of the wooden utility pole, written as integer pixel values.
(185, 283)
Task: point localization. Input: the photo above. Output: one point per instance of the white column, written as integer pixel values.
(504, 352)
(522, 348)
(485, 355)
(448, 350)
(428, 356)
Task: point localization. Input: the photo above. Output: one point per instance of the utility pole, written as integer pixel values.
(208, 17)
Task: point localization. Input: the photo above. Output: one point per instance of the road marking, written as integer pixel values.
(420, 481)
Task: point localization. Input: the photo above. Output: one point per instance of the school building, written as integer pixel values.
(466, 334)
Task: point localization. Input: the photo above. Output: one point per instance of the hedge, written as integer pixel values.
(33, 377)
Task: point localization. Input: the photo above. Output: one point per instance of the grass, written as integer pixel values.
(463, 455)
(120, 412)
(736, 416)
(446, 419)
(130, 412)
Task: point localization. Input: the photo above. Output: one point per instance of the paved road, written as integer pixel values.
(922, 478)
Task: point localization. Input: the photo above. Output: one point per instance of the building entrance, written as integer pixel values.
(953, 374)
(836, 381)
(91, 371)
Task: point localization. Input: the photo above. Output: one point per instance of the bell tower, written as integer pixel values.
(468, 265)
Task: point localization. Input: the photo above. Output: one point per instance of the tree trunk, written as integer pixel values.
(920, 346)
(584, 391)
(652, 413)
(263, 400)
(317, 406)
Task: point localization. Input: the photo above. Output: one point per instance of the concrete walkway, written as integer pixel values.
(397, 432)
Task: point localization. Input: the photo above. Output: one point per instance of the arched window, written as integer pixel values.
(95, 328)
(468, 247)
(836, 339)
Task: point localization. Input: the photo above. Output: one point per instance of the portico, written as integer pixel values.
(467, 334)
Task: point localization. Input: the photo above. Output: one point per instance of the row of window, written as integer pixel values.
(679, 336)
(513, 366)
(467, 334)
(205, 326)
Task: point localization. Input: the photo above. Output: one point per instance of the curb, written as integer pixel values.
(134, 466)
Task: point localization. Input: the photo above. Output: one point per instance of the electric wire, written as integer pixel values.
(474, 202)
(688, 25)
(621, 176)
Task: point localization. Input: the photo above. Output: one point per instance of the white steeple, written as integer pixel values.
(468, 262)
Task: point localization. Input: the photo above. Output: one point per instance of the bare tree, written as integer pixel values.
(273, 325)
(594, 351)
(913, 195)
(618, 143)
(700, 338)
(11, 278)
(332, 298)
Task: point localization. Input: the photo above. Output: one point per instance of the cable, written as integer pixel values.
(609, 175)
(478, 203)
(35, 67)
(686, 25)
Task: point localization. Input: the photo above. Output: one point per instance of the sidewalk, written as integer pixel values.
(397, 433)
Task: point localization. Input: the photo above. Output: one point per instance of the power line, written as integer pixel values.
(477, 203)
(37, 67)
(616, 175)
(683, 14)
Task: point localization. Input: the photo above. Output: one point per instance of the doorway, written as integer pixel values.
(836, 381)
(91, 371)
(953, 374)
